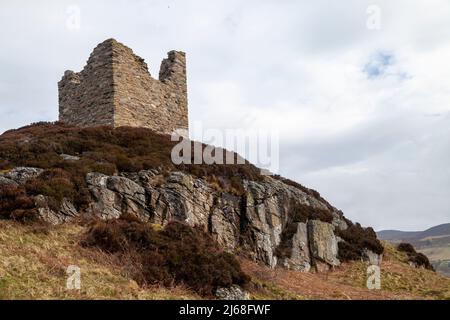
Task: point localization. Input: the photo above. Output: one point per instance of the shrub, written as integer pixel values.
(356, 240)
(299, 213)
(125, 164)
(406, 247)
(16, 204)
(302, 213)
(349, 251)
(419, 259)
(177, 254)
(54, 183)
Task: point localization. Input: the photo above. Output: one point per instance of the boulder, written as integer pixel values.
(114, 196)
(22, 174)
(66, 213)
(105, 204)
(5, 181)
(323, 243)
(232, 293)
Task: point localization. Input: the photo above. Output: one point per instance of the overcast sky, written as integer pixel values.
(362, 104)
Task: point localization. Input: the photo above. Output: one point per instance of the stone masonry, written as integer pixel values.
(115, 88)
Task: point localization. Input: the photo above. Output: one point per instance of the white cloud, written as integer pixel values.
(377, 147)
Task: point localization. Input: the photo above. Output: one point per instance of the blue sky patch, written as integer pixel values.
(378, 65)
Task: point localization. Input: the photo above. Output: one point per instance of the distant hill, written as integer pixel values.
(437, 231)
(433, 242)
(390, 235)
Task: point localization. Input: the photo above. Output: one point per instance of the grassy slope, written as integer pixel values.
(33, 265)
(398, 281)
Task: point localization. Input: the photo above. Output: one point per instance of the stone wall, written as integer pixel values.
(87, 98)
(116, 88)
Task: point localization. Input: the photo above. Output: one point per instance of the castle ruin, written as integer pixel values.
(115, 88)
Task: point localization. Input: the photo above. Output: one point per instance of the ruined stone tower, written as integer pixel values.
(115, 88)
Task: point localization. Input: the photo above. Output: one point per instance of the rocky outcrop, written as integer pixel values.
(114, 196)
(232, 293)
(267, 222)
(20, 175)
(323, 244)
(253, 222)
(300, 258)
(6, 181)
(66, 212)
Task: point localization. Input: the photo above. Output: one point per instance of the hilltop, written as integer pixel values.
(112, 202)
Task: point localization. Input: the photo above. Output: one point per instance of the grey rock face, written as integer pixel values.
(66, 213)
(105, 202)
(127, 189)
(232, 293)
(269, 208)
(265, 220)
(6, 181)
(225, 221)
(323, 243)
(300, 259)
(253, 222)
(114, 196)
(184, 198)
(256, 223)
(22, 174)
(338, 220)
